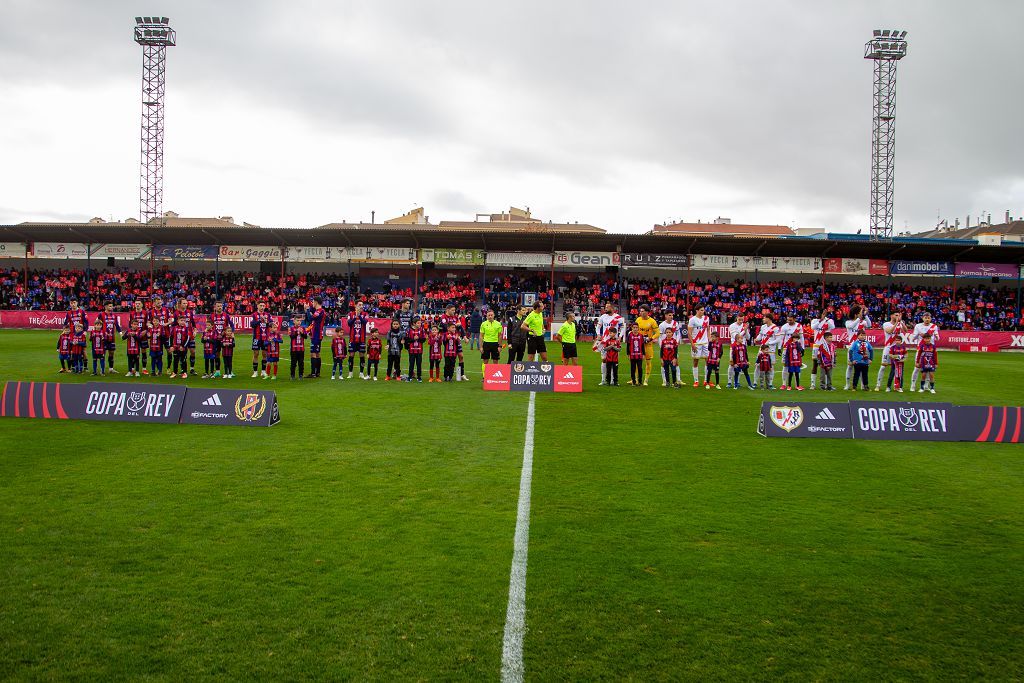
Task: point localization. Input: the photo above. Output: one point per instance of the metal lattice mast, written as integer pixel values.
(886, 48)
(155, 36)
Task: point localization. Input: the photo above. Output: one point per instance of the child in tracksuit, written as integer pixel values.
(339, 351)
(739, 361)
(714, 362)
(764, 372)
(635, 348)
(64, 349)
(927, 361)
(826, 361)
(861, 355)
(395, 340)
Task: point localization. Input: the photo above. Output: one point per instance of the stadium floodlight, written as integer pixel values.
(885, 50)
(155, 35)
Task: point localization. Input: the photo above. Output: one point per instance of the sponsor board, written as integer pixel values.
(533, 376)
(253, 253)
(120, 251)
(995, 424)
(856, 266)
(127, 402)
(60, 250)
(656, 260)
(892, 421)
(233, 407)
(453, 257)
(185, 252)
(518, 258)
(569, 378)
(921, 268)
(586, 259)
(12, 250)
(814, 420)
(316, 254)
(905, 421)
(969, 269)
(382, 255)
(105, 401)
(497, 377)
(779, 264)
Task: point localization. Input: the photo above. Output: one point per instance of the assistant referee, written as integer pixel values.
(534, 326)
(490, 339)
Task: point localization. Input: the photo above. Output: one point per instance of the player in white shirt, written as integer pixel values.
(819, 327)
(770, 335)
(669, 327)
(895, 330)
(699, 329)
(857, 323)
(926, 326)
(609, 324)
(739, 329)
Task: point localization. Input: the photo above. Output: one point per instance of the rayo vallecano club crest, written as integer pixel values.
(787, 417)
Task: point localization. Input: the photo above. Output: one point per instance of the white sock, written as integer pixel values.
(849, 373)
(881, 375)
(664, 379)
(913, 380)
(696, 375)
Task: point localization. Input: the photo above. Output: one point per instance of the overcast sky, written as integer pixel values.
(622, 115)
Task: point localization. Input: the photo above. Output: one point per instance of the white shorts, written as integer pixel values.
(814, 351)
(885, 356)
(699, 351)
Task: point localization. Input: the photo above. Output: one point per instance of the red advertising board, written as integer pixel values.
(496, 377)
(569, 378)
(878, 267)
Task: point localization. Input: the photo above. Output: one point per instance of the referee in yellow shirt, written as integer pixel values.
(649, 330)
(490, 340)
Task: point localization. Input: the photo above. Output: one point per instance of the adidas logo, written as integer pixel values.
(569, 375)
(498, 375)
(213, 401)
(825, 414)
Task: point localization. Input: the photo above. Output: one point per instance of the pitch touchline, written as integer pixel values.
(515, 617)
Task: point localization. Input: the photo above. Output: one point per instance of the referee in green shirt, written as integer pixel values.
(534, 326)
(490, 338)
(567, 335)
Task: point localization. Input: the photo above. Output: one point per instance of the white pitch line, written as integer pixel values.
(515, 617)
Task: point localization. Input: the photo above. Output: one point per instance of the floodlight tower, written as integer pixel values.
(886, 48)
(155, 35)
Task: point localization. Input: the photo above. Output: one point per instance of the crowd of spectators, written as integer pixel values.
(436, 295)
(979, 307)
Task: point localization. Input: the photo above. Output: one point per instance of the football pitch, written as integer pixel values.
(369, 535)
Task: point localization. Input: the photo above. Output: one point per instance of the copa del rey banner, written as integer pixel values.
(533, 376)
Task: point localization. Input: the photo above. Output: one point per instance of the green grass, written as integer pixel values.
(369, 536)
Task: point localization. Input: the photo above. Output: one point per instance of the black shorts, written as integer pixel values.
(110, 345)
(490, 351)
(568, 350)
(191, 344)
(357, 347)
(258, 344)
(536, 345)
(314, 344)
